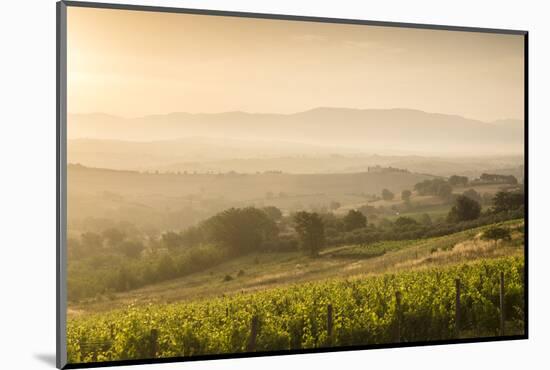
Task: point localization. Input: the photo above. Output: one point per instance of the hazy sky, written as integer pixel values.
(134, 63)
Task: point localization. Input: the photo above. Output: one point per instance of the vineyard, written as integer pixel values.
(405, 307)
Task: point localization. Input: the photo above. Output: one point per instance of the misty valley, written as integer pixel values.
(178, 249)
(240, 186)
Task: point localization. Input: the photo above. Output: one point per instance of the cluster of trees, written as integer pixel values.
(111, 260)
(467, 206)
(464, 209)
(354, 220)
(437, 187)
(240, 230)
(497, 233)
(114, 273)
(110, 241)
(504, 201)
(236, 230)
(473, 195)
(407, 228)
(485, 198)
(464, 214)
(444, 188)
(456, 180)
(387, 195)
(500, 179)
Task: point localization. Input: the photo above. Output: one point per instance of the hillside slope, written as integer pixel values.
(405, 129)
(263, 271)
(235, 186)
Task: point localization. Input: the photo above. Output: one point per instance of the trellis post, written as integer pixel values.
(457, 308)
(329, 323)
(398, 313)
(502, 317)
(251, 347)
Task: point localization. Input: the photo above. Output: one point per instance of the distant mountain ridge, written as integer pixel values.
(407, 129)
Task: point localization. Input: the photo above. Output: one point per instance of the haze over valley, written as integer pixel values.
(323, 140)
(290, 185)
(338, 129)
(187, 167)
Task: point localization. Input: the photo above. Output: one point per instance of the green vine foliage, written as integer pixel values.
(365, 312)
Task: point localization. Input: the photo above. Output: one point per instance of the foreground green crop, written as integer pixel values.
(364, 312)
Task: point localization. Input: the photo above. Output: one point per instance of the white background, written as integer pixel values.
(27, 206)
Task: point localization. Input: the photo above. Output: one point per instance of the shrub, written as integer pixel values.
(227, 278)
(496, 233)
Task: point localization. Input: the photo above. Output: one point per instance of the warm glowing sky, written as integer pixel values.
(134, 63)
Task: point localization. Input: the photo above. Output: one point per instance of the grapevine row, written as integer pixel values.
(405, 307)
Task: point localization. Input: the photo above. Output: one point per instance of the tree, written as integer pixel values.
(456, 180)
(496, 233)
(334, 205)
(273, 213)
(240, 230)
(406, 195)
(131, 248)
(404, 221)
(437, 187)
(464, 209)
(124, 280)
(385, 224)
(473, 195)
(192, 236)
(91, 242)
(114, 237)
(507, 201)
(333, 225)
(387, 195)
(487, 198)
(444, 191)
(311, 231)
(354, 220)
(425, 219)
(166, 268)
(171, 240)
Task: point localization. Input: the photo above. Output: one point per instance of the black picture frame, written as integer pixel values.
(61, 176)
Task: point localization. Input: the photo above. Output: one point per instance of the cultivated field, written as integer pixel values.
(392, 308)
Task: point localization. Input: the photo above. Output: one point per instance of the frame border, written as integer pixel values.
(225, 13)
(61, 183)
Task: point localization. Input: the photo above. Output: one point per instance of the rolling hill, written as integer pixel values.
(365, 130)
(177, 201)
(235, 186)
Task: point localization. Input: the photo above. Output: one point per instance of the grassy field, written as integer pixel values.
(257, 272)
(435, 211)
